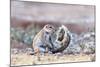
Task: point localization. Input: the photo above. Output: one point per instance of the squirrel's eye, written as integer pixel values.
(50, 27)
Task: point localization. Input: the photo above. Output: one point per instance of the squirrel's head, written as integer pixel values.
(49, 28)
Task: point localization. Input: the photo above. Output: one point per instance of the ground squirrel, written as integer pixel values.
(42, 41)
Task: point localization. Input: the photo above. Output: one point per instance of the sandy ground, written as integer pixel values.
(26, 59)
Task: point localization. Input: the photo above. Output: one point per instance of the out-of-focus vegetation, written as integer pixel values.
(24, 35)
(84, 42)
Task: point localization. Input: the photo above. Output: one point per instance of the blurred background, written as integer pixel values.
(28, 18)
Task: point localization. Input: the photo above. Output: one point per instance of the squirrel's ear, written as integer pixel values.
(45, 26)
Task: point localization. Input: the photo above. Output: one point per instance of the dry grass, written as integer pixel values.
(25, 59)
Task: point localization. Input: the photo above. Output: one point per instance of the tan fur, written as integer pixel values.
(43, 38)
